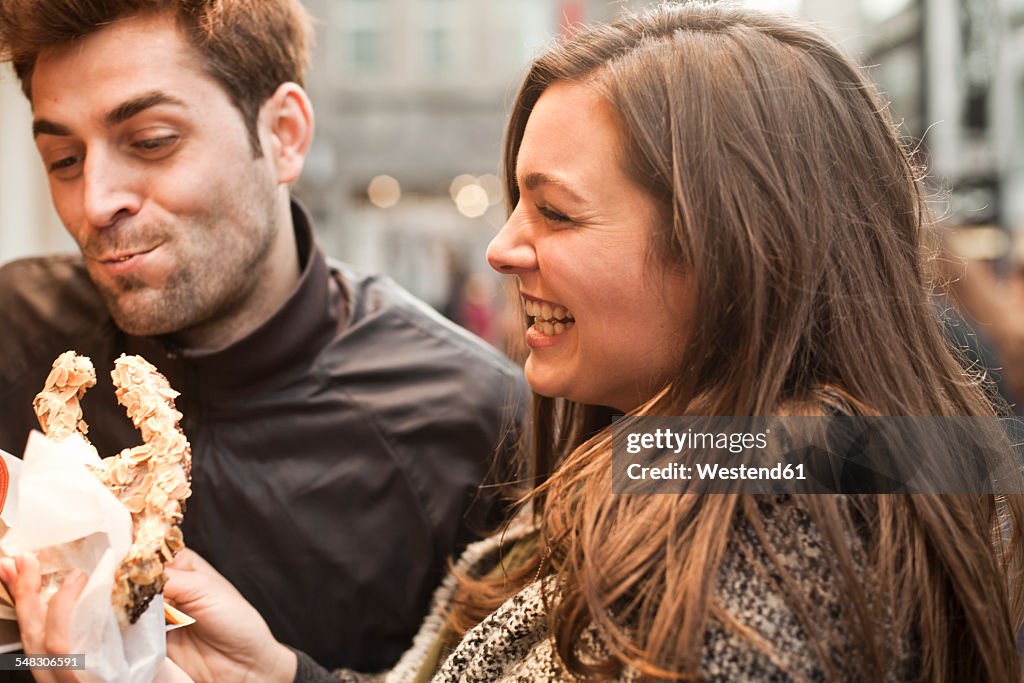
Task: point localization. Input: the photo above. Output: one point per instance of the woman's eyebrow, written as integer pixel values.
(532, 181)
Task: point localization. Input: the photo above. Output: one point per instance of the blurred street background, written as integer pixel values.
(411, 98)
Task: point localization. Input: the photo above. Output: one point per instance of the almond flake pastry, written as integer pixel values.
(152, 480)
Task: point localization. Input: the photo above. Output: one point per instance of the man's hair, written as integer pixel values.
(249, 47)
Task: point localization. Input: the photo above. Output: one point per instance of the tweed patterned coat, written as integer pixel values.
(513, 645)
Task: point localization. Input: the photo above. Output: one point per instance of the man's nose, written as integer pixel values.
(110, 191)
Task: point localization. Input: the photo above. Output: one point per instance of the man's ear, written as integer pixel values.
(288, 116)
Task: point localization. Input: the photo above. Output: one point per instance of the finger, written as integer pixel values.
(189, 560)
(184, 587)
(183, 560)
(28, 603)
(170, 672)
(182, 651)
(58, 613)
(23, 581)
(198, 580)
(8, 574)
(58, 676)
(26, 569)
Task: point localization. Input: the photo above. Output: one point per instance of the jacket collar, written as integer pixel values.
(284, 344)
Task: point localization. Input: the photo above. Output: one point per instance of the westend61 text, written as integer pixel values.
(715, 472)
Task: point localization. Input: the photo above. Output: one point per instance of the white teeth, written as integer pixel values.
(546, 312)
(550, 329)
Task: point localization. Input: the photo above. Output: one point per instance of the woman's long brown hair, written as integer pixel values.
(792, 202)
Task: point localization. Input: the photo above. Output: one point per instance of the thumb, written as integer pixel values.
(189, 560)
(184, 560)
(184, 586)
(197, 586)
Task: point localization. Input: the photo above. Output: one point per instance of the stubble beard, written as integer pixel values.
(195, 294)
(144, 311)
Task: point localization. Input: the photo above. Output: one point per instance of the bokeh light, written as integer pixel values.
(384, 191)
(459, 182)
(472, 201)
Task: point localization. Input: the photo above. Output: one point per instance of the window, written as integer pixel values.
(363, 29)
(879, 10)
(1019, 128)
(436, 24)
(438, 47)
(365, 49)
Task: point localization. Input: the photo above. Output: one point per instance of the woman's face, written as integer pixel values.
(608, 323)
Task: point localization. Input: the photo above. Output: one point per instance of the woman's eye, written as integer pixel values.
(552, 215)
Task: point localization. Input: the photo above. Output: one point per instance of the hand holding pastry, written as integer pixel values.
(45, 626)
(229, 641)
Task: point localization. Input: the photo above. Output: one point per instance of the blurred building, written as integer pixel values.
(28, 224)
(411, 98)
(954, 72)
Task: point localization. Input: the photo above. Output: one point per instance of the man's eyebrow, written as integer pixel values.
(44, 127)
(118, 114)
(137, 105)
(532, 181)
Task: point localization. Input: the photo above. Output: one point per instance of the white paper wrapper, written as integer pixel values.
(64, 511)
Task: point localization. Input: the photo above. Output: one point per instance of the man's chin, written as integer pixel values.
(142, 318)
(142, 326)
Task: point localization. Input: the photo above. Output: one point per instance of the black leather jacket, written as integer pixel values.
(337, 449)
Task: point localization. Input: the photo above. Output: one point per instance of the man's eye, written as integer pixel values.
(552, 215)
(153, 144)
(66, 162)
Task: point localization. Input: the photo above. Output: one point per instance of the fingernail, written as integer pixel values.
(76, 577)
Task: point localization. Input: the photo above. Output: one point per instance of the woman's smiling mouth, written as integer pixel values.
(548, 318)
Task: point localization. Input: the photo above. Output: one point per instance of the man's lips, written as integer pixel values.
(125, 262)
(122, 256)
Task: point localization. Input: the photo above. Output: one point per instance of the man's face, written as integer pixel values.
(152, 173)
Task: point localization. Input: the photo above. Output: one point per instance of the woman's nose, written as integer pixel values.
(512, 250)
